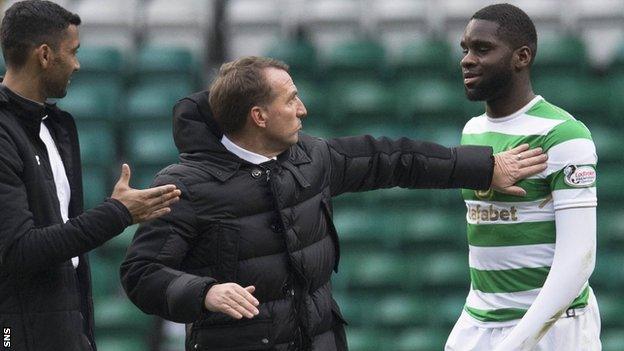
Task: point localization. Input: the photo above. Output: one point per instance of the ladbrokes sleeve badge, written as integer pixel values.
(579, 176)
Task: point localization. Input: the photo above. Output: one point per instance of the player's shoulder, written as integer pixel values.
(475, 124)
(564, 127)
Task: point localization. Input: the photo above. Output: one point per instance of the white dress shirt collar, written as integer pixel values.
(244, 154)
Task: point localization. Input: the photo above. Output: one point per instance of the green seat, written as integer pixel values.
(445, 271)
(609, 272)
(431, 101)
(608, 141)
(166, 60)
(155, 99)
(120, 243)
(612, 339)
(559, 54)
(118, 316)
(439, 230)
(399, 311)
(95, 183)
(125, 343)
(445, 310)
(366, 269)
(421, 339)
(581, 95)
(609, 183)
(611, 226)
(611, 309)
(428, 58)
(97, 143)
(97, 98)
(315, 99)
(362, 58)
(615, 101)
(150, 144)
(365, 339)
(360, 225)
(298, 54)
(101, 59)
(358, 101)
(104, 277)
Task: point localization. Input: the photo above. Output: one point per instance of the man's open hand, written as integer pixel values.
(147, 204)
(233, 300)
(514, 165)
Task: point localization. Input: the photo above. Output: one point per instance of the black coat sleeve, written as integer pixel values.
(150, 273)
(25, 247)
(364, 163)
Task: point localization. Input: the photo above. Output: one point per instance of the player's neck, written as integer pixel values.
(24, 84)
(516, 97)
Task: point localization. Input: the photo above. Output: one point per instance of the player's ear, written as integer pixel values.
(258, 116)
(522, 57)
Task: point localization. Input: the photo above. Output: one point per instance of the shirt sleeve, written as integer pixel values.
(572, 166)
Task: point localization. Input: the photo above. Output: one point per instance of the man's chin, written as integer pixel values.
(474, 94)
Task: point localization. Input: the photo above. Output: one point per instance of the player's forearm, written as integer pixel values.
(572, 265)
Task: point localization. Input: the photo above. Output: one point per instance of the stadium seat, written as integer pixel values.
(93, 98)
(299, 54)
(95, 183)
(109, 23)
(612, 339)
(608, 141)
(179, 23)
(397, 22)
(127, 343)
(428, 101)
(444, 271)
(365, 339)
(581, 95)
(166, 60)
(331, 21)
(559, 54)
(611, 309)
(357, 59)
(421, 339)
(373, 270)
(101, 59)
(358, 101)
(104, 277)
(150, 144)
(609, 183)
(399, 311)
(609, 273)
(315, 100)
(425, 59)
(117, 315)
(154, 100)
(97, 143)
(253, 25)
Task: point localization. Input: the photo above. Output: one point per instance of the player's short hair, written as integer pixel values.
(239, 86)
(28, 24)
(514, 25)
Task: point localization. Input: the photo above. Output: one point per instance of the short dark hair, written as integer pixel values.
(28, 24)
(514, 25)
(239, 86)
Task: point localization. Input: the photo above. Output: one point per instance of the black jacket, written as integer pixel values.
(270, 226)
(44, 301)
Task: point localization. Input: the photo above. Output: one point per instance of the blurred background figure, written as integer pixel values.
(392, 68)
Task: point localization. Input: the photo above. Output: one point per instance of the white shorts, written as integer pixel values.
(578, 333)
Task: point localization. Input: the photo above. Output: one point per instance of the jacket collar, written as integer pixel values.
(30, 113)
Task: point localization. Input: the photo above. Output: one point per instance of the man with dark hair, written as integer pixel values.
(45, 288)
(530, 257)
(255, 215)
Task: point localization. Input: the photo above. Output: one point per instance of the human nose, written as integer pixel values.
(302, 112)
(468, 60)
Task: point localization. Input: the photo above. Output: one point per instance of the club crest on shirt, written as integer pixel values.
(579, 176)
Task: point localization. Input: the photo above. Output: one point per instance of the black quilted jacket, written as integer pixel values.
(269, 225)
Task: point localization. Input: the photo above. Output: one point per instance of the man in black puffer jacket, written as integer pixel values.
(246, 256)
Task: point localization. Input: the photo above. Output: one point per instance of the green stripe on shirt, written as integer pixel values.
(508, 280)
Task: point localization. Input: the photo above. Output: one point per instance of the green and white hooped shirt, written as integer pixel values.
(512, 239)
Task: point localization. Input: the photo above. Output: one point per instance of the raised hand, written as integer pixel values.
(514, 165)
(147, 204)
(232, 299)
